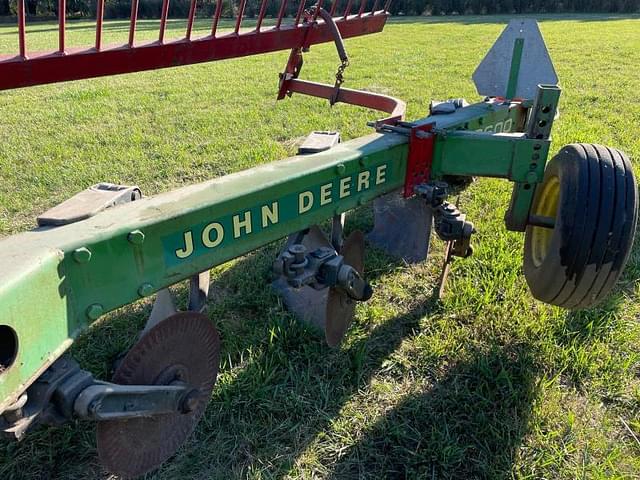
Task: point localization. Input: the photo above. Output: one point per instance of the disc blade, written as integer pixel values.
(340, 307)
(184, 347)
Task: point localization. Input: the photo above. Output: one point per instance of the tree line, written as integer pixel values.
(180, 8)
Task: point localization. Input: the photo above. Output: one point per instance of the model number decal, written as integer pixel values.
(498, 127)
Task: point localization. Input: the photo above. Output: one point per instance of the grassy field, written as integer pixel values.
(486, 383)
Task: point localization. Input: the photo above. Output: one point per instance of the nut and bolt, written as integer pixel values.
(298, 251)
(82, 255)
(95, 311)
(190, 402)
(94, 407)
(145, 290)
(136, 237)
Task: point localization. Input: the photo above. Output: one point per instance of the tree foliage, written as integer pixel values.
(180, 8)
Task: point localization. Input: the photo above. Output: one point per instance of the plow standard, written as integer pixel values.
(109, 246)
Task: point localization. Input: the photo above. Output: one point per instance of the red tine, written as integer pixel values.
(192, 14)
(21, 29)
(318, 7)
(263, 9)
(99, 18)
(62, 15)
(387, 5)
(283, 7)
(333, 7)
(163, 19)
(363, 4)
(216, 18)
(300, 10)
(375, 6)
(243, 3)
(134, 19)
(347, 11)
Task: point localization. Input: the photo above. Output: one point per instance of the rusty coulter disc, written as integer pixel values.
(185, 347)
(340, 307)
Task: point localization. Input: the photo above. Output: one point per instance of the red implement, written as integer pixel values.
(64, 64)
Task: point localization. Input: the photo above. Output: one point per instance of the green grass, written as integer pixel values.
(487, 383)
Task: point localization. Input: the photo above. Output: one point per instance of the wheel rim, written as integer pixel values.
(547, 206)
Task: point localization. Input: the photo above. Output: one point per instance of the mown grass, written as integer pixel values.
(487, 383)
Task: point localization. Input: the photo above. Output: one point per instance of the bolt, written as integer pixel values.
(361, 201)
(93, 407)
(94, 311)
(82, 255)
(136, 237)
(340, 168)
(532, 177)
(298, 250)
(363, 161)
(190, 402)
(145, 290)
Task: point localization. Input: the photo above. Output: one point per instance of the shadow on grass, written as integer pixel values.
(469, 425)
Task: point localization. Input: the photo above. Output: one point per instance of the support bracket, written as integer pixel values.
(420, 158)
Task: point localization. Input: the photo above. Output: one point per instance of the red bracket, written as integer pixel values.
(421, 141)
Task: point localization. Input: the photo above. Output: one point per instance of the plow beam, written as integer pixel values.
(56, 281)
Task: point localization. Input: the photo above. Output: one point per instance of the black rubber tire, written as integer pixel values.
(594, 229)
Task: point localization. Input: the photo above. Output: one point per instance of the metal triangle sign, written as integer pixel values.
(516, 64)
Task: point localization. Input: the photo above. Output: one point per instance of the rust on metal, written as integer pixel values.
(340, 307)
(183, 348)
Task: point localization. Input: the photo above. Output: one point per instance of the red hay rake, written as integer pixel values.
(64, 64)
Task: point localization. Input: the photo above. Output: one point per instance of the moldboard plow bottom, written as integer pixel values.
(109, 246)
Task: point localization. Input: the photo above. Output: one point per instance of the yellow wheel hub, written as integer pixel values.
(547, 206)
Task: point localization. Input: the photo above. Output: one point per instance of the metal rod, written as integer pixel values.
(283, 7)
(62, 14)
(99, 18)
(132, 24)
(542, 221)
(216, 18)
(21, 29)
(299, 14)
(386, 6)
(263, 9)
(243, 3)
(192, 14)
(347, 10)
(363, 3)
(333, 7)
(375, 5)
(317, 10)
(163, 20)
